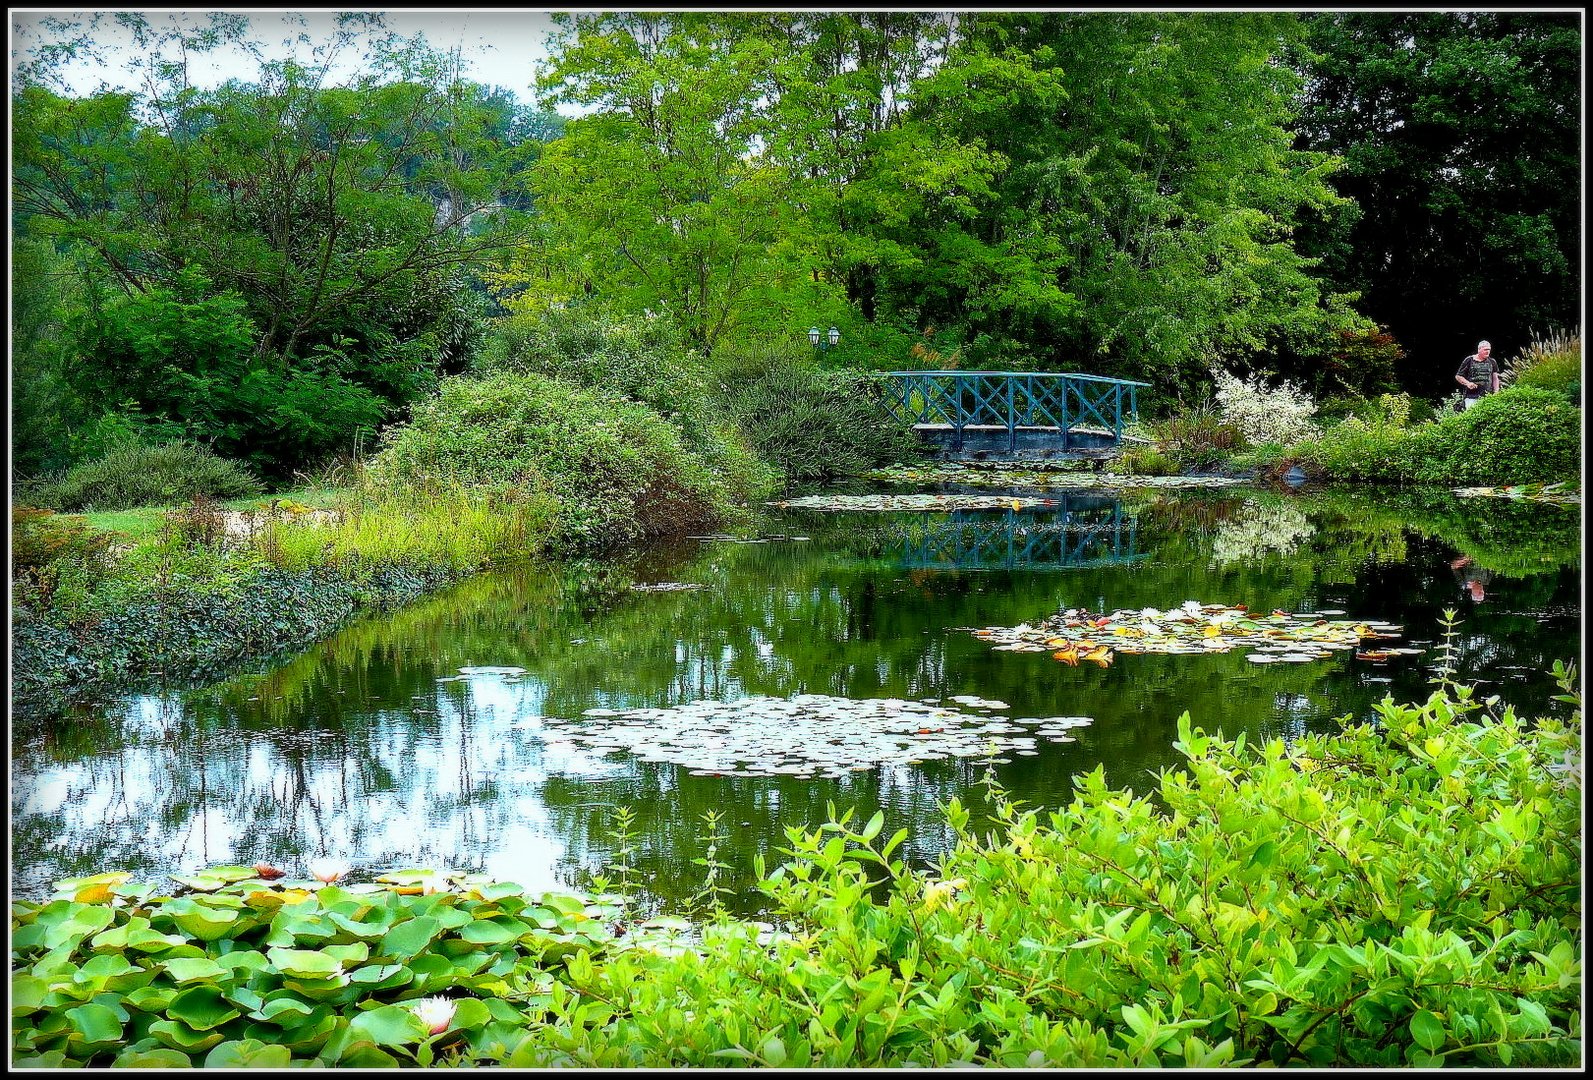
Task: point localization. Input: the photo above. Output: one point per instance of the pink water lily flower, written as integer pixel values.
(435, 1012)
(328, 870)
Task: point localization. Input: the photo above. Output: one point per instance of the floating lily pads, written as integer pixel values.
(804, 736)
(914, 502)
(1280, 637)
(1032, 477)
(667, 586)
(1549, 493)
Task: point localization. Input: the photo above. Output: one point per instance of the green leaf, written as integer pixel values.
(27, 994)
(469, 1013)
(875, 824)
(303, 963)
(409, 938)
(180, 1036)
(96, 1023)
(248, 1054)
(202, 1008)
(363, 1054)
(1428, 1030)
(493, 931)
(283, 1009)
(193, 969)
(163, 1058)
(389, 1025)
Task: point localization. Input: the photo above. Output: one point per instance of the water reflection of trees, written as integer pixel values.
(355, 747)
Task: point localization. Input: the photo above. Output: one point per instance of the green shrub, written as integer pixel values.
(1144, 461)
(137, 474)
(642, 359)
(809, 424)
(47, 549)
(617, 469)
(1516, 436)
(1197, 436)
(1404, 893)
(1358, 450)
(1550, 363)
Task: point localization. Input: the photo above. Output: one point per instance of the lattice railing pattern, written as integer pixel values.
(1016, 541)
(1010, 399)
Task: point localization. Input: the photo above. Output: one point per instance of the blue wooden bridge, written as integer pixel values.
(1011, 413)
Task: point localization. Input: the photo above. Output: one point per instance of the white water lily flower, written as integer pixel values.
(328, 870)
(435, 1012)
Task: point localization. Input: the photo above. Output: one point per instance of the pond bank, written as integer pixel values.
(183, 635)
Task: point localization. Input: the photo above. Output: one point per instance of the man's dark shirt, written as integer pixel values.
(1475, 369)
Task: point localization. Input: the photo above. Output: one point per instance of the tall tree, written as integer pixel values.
(1461, 134)
(330, 228)
(659, 198)
(1142, 223)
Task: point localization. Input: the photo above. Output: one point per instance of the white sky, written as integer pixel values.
(499, 46)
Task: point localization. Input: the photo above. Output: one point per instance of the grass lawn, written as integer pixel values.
(144, 521)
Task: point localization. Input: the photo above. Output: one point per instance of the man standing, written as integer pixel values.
(1479, 374)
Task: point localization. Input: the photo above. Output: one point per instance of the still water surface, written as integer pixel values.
(358, 749)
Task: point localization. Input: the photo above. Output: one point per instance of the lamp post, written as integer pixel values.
(822, 341)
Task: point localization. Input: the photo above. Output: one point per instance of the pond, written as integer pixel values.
(375, 747)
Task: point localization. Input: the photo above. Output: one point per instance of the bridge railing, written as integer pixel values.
(1066, 540)
(1010, 399)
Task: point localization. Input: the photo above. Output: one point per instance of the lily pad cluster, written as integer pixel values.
(1561, 492)
(239, 969)
(667, 586)
(809, 735)
(1192, 628)
(914, 502)
(954, 474)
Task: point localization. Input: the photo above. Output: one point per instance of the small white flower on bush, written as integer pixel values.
(1281, 415)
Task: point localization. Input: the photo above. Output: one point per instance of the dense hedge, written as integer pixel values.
(618, 470)
(138, 474)
(811, 424)
(1520, 435)
(1404, 893)
(641, 359)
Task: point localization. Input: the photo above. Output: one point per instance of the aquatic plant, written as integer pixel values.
(1404, 892)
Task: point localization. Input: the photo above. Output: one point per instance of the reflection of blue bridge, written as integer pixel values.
(1005, 413)
(1075, 535)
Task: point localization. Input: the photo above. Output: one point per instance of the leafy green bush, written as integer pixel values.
(1144, 461)
(1515, 436)
(47, 548)
(1358, 450)
(138, 474)
(1549, 363)
(811, 424)
(1405, 892)
(641, 359)
(1197, 436)
(1519, 435)
(617, 469)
